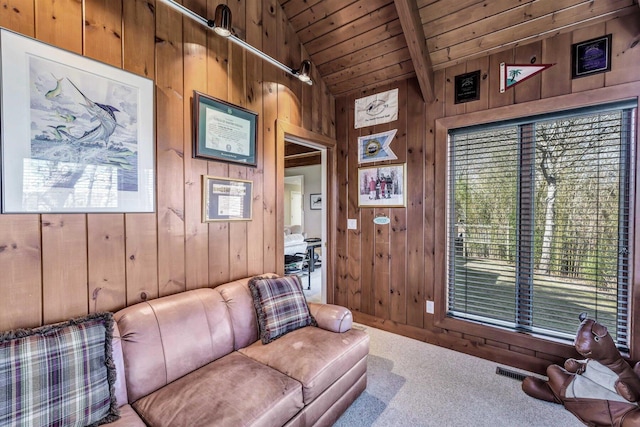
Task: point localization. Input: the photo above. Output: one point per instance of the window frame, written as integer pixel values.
(529, 343)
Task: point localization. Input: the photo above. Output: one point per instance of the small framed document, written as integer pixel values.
(225, 199)
(223, 131)
(591, 57)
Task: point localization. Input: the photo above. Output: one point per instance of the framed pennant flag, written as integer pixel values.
(512, 74)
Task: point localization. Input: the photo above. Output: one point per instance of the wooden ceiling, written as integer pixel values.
(360, 44)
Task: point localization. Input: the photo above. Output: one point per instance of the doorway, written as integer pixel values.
(296, 137)
(304, 167)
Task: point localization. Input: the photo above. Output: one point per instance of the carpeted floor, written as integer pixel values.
(411, 383)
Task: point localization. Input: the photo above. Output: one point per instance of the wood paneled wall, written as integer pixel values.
(386, 273)
(54, 266)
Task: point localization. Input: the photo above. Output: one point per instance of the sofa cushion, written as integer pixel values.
(61, 374)
(232, 391)
(280, 305)
(166, 338)
(313, 356)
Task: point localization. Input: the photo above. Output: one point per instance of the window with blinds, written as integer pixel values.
(538, 221)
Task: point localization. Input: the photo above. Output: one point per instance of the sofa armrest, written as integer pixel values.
(331, 317)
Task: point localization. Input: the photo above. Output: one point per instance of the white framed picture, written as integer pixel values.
(77, 134)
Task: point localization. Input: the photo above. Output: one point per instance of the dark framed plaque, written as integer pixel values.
(467, 87)
(223, 131)
(591, 57)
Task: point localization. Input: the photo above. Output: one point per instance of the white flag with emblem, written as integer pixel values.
(376, 109)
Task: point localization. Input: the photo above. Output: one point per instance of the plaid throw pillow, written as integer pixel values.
(280, 305)
(58, 375)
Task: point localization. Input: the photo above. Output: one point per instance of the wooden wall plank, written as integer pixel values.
(381, 267)
(398, 226)
(195, 78)
(416, 136)
(141, 247)
(270, 104)
(624, 49)
(254, 80)
(307, 99)
(218, 69)
(141, 230)
(18, 15)
(435, 110)
(557, 79)
(349, 288)
(64, 258)
(294, 59)
(20, 263)
(138, 36)
(238, 236)
(103, 31)
(60, 23)
(316, 102)
(106, 253)
(170, 151)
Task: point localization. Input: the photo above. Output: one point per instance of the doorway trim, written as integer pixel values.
(285, 130)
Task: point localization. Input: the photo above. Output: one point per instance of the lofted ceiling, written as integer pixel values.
(360, 44)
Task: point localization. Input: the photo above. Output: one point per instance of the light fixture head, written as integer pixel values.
(304, 71)
(222, 22)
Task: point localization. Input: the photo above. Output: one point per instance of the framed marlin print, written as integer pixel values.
(223, 131)
(77, 134)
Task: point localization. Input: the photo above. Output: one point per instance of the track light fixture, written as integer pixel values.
(222, 25)
(303, 71)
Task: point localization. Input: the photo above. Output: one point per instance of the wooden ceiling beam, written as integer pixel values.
(414, 33)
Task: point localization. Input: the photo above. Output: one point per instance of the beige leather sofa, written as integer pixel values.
(195, 359)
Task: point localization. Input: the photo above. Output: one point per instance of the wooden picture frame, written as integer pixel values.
(223, 131)
(226, 199)
(382, 186)
(78, 135)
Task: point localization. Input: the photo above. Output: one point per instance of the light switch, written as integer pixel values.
(352, 224)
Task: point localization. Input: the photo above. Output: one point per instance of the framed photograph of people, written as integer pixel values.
(77, 134)
(223, 131)
(225, 199)
(382, 186)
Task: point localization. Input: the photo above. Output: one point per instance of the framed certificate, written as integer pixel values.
(223, 131)
(225, 199)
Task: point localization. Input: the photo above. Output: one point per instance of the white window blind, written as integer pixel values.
(538, 221)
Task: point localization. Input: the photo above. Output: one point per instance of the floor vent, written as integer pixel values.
(511, 374)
